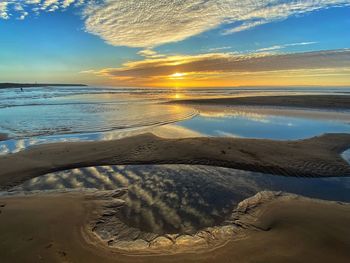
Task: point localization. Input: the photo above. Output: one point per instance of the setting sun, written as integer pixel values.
(177, 75)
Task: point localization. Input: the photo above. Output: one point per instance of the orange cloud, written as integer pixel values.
(229, 69)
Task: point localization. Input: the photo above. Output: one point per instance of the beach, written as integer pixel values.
(74, 225)
(146, 131)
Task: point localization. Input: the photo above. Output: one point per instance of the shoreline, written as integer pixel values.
(335, 102)
(315, 157)
(37, 85)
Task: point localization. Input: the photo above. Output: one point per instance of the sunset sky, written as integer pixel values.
(176, 43)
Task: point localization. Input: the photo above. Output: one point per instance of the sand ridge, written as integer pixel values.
(302, 101)
(315, 157)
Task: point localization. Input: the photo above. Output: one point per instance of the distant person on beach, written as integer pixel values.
(22, 89)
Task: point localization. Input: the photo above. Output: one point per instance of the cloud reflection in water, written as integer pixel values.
(182, 198)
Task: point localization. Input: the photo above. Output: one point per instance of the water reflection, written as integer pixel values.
(266, 123)
(346, 155)
(43, 120)
(165, 131)
(113, 123)
(182, 198)
(250, 122)
(14, 146)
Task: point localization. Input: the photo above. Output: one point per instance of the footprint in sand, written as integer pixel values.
(49, 245)
(63, 256)
(2, 205)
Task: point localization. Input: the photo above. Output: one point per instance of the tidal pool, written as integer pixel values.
(182, 198)
(266, 122)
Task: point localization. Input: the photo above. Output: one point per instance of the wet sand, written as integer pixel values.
(210, 110)
(3, 137)
(302, 101)
(315, 157)
(277, 228)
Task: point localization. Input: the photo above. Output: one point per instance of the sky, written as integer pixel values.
(176, 43)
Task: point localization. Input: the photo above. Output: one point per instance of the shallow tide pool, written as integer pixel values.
(183, 198)
(266, 123)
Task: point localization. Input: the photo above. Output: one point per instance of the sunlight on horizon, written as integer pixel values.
(178, 75)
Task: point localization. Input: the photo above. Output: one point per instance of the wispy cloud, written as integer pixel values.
(149, 53)
(219, 48)
(245, 26)
(278, 47)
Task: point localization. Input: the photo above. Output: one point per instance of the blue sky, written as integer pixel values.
(175, 43)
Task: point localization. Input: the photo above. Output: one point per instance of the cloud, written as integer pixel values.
(245, 26)
(20, 9)
(230, 66)
(150, 23)
(141, 23)
(67, 3)
(3, 10)
(219, 48)
(149, 53)
(230, 62)
(277, 47)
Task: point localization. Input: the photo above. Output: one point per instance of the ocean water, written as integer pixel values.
(54, 114)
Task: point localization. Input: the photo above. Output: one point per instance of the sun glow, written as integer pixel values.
(177, 96)
(177, 75)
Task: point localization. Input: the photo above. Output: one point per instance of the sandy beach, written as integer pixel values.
(268, 227)
(278, 227)
(301, 101)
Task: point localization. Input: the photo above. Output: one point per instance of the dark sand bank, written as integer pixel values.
(269, 227)
(302, 101)
(3, 137)
(315, 157)
(35, 85)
